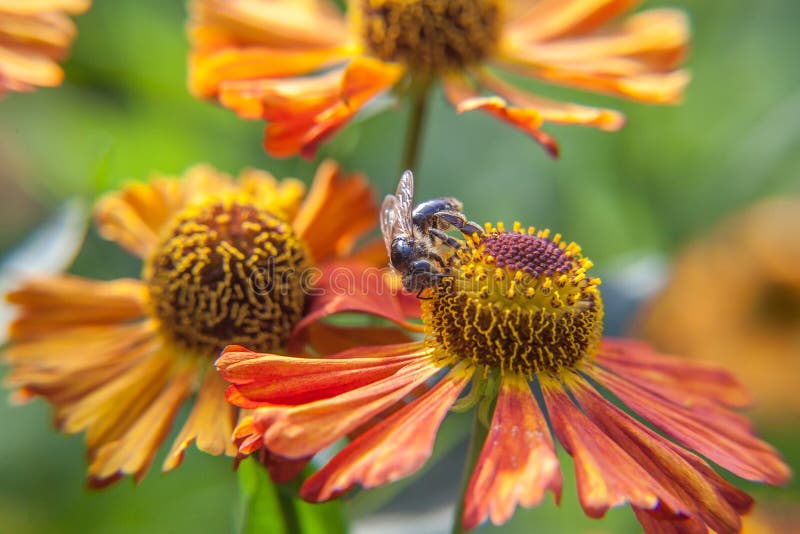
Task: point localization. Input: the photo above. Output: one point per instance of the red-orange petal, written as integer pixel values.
(338, 209)
(269, 379)
(518, 462)
(464, 97)
(356, 288)
(552, 110)
(304, 430)
(669, 464)
(671, 376)
(733, 447)
(606, 475)
(391, 450)
(304, 112)
(330, 339)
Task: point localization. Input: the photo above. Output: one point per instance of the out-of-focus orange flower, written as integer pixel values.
(34, 36)
(734, 299)
(307, 69)
(225, 261)
(518, 311)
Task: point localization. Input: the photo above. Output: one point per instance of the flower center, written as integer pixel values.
(518, 301)
(431, 35)
(228, 272)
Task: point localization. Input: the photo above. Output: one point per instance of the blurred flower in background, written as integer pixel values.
(518, 310)
(224, 261)
(734, 298)
(307, 69)
(34, 36)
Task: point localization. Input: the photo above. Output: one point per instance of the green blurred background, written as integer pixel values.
(124, 113)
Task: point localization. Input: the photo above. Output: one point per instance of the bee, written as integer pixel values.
(415, 235)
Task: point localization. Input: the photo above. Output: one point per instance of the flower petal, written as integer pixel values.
(34, 36)
(265, 379)
(464, 97)
(357, 288)
(304, 112)
(337, 210)
(135, 216)
(66, 366)
(672, 377)
(306, 429)
(667, 463)
(108, 411)
(733, 447)
(553, 111)
(133, 452)
(549, 19)
(212, 72)
(518, 461)
(636, 61)
(391, 450)
(329, 339)
(606, 475)
(210, 423)
(51, 304)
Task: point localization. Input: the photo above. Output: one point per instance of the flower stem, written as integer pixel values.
(479, 433)
(416, 118)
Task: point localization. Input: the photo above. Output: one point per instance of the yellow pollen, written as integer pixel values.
(538, 312)
(228, 272)
(431, 36)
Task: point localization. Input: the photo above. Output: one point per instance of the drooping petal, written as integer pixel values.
(606, 475)
(637, 60)
(704, 497)
(133, 452)
(107, 411)
(464, 97)
(252, 39)
(210, 424)
(357, 288)
(337, 210)
(329, 339)
(304, 112)
(553, 111)
(733, 447)
(51, 304)
(266, 379)
(391, 450)
(67, 366)
(34, 36)
(304, 430)
(676, 378)
(518, 462)
(550, 19)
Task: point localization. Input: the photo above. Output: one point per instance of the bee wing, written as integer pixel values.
(405, 198)
(389, 227)
(396, 211)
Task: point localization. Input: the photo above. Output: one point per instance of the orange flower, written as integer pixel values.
(751, 264)
(518, 313)
(224, 262)
(307, 69)
(34, 36)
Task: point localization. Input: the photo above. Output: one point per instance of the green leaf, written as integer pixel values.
(275, 508)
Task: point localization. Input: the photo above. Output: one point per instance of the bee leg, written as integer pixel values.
(419, 294)
(457, 219)
(451, 241)
(438, 258)
(470, 228)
